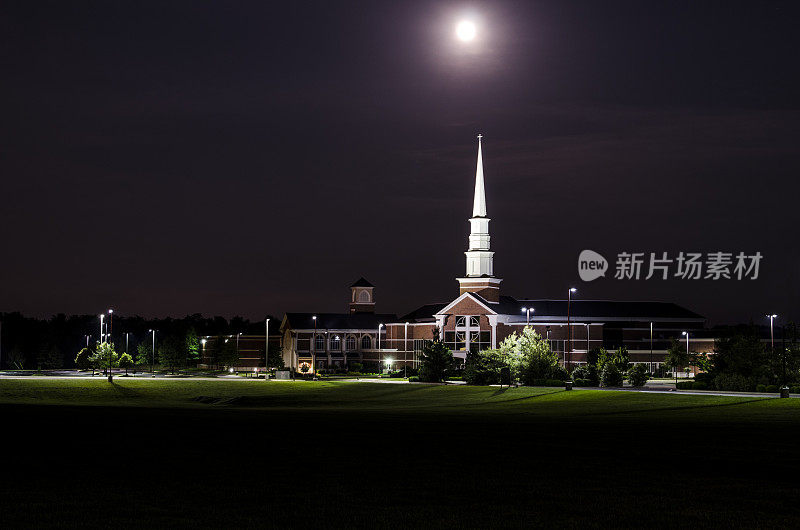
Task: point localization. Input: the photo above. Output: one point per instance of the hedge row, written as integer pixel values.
(697, 385)
(691, 385)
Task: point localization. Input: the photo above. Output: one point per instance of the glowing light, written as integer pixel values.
(466, 31)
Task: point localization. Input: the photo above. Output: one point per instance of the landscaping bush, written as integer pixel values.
(703, 377)
(795, 390)
(611, 376)
(684, 385)
(559, 373)
(585, 382)
(772, 389)
(356, 367)
(637, 375)
(587, 372)
(553, 382)
(761, 388)
(733, 382)
(413, 379)
(700, 385)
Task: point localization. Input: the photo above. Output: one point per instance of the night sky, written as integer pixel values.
(235, 158)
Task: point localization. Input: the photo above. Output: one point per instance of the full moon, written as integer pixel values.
(465, 30)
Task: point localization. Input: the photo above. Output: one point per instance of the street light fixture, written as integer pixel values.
(266, 350)
(686, 333)
(314, 349)
(102, 316)
(380, 354)
(528, 311)
(569, 328)
(153, 358)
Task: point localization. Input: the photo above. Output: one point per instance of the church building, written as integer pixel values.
(481, 317)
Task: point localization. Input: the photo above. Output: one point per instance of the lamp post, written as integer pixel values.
(686, 333)
(153, 358)
(203, 344)
(380, 354)
(266, 350)
(237, 345)
(569, 328)
(102, 316)
(110, 324)
(772, 343)
(87, 340)
(527, 311)
(587, 341)
(314, 349)
(651, 347)
(405, 352)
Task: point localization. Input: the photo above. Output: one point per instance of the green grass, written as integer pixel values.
(233, 452)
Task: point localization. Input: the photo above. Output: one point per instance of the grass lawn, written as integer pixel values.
(253, 453)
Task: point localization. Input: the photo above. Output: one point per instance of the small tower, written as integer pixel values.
(480, 278)
(361, 297)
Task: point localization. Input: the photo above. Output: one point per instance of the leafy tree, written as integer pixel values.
(611, 376)
(16, 359)
(742, 354)
(637, 375)
(225, 349)
(619, 358)
(677, 357)
(144, 352)
(192, 346)
(275, 359)
(105, 357)
(125, 361)
(50, 358)
(171, 353)
(82, 359)
(435, 360)
(536, 359)
(484, 367)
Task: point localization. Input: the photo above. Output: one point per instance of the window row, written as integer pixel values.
(335, 343)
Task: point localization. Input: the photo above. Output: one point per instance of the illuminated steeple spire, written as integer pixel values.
(479, 205)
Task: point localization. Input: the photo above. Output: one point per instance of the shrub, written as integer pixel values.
(580, 382)
(772, 389)
(703, 377)
(637, 375)
(684, 385)
(553, 382)
(795, 390)
(413, 379)
(356, 367)
(699, 385)
(761, 388)
(559, 373)
(734, 382)
(611, 376)
(581, 372)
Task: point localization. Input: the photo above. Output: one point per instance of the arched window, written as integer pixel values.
(319, 343)
(363, 296)
(366, 342)
(350, 343)
(336, 343)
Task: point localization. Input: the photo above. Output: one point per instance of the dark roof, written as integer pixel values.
(595, 309)
(362, 283)
(338, 320)
(423, 313)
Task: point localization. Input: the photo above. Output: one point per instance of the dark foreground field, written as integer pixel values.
(252, 453)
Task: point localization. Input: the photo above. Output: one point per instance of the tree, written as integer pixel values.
(49, 357)
(435, 360)
(611, 376)
(637, 375)
(82, 359)
(16, 359)
(677, 357)
(536, 359)
(171, 353)
(125, 361)
(619, 358)
(105, 357)
(225, 350)
(144, 353)
(192, 346)
(742, 354)
(275, 359)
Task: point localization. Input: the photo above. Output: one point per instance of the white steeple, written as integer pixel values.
(479, 205)
(479, 258)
